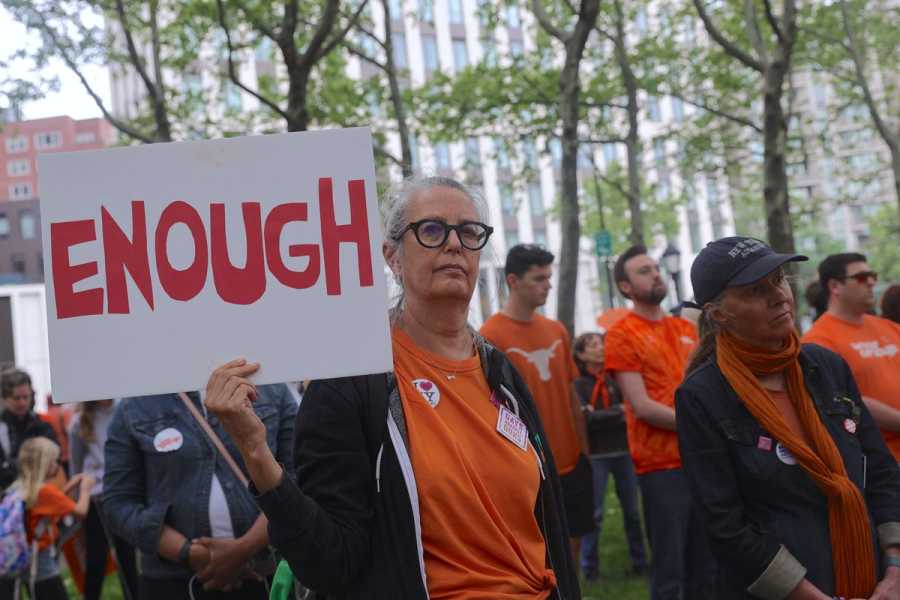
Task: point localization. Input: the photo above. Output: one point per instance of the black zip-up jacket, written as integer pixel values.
(351, 529)
(16, 431)
(606, 431)
(766, 519)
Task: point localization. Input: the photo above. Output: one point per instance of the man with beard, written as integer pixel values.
(647, 352)
(540, 350)
(869, 344)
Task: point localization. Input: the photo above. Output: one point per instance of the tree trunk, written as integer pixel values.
(895, 166)
(632, 139)
(569, 88)
(779, 227)
(396, 93)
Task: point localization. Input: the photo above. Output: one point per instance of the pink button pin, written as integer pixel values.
(764, 443)
(850, 425)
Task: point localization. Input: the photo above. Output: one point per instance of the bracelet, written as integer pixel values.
(891, 561)
(184, 555)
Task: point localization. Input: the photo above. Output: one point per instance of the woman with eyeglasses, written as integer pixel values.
(434, 480)
(799, 494)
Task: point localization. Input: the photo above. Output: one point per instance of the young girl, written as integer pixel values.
(44, 503)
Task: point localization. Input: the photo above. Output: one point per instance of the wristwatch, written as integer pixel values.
(184, 555)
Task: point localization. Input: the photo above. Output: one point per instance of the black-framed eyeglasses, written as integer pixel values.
(861, 277)
(433, 233)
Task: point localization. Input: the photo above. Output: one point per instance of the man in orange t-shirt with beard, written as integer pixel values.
(541, 351)
(869, 344)
(647, 352)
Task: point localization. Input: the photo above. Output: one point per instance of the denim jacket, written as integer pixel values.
(146, 485)
(766, 519)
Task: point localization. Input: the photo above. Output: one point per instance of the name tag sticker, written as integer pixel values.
(512, 428)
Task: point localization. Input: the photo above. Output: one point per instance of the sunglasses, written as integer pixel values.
(433, 233)
(861, 277)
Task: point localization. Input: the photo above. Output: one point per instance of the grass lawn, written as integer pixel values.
(614, 584)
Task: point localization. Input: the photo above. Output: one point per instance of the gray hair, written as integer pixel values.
(397, 202)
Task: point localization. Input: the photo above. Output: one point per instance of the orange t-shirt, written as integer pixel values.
(872, 350)
(52, 505)
(659, 351)
(477, 490)
(541, 352)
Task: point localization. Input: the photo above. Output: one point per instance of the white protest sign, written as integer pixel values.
(167, 260)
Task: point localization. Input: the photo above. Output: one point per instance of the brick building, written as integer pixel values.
(21, 256)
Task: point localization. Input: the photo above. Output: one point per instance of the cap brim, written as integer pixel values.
(763, 267)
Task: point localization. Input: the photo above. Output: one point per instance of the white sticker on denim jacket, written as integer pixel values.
(168, 440)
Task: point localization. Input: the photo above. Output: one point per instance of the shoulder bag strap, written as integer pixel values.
(214, 438)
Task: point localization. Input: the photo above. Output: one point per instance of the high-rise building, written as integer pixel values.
(21, 257)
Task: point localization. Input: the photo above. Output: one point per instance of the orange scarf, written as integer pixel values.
(852, 553)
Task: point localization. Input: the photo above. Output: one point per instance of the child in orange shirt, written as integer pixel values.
(45, 505)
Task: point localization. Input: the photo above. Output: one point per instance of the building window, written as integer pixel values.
(513, 21)
(536, 199)
(659, 152)
(27, 224)
(653, 109)
(414, 152)
(4, 226)
(516, 48)
(232, 97)
(45, 141)
(715, 210)
(18, 168)
(507, 203)
(473, 152)
(530, 152)
(396, 8)
(85, 137)
(512, 238)
(489, 52)
(540, 237)
(678, 109)
(610, 153)
(426, 11)
(18, 263)
(442, 156)
(20, 191)
(263, 50)
(430, 53)
(399, 40)
(16, 144)
(640, 21)
(502, 155)
(456, 12)
(693, 217)
(460, 55)
(556, 151)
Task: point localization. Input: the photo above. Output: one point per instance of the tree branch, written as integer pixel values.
(546, 23)
(730, 48)
(319, 38)
(773, 21)
(718, 112)
(256, 23)
(753, 32)
(135, 58)
(70, 63)
(863, 81)
(232, 72)
(352, 21)
(361, 54)
(613, 140)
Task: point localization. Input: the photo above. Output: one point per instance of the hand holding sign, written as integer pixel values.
(228, 396)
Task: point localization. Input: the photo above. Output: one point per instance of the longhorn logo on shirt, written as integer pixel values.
(540, 358)
(429, 391)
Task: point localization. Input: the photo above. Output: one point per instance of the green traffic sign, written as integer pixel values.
(603, 243)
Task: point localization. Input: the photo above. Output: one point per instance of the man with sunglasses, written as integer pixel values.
(869, 344)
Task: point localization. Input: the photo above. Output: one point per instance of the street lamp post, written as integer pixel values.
(671, 260)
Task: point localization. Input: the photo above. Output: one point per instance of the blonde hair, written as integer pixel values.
(36, 456)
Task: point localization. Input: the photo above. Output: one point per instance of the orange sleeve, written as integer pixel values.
(52, 503)
(620, 354)
(570, 354)
(818, 334)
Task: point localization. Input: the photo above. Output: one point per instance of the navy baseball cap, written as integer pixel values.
(733, 261)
